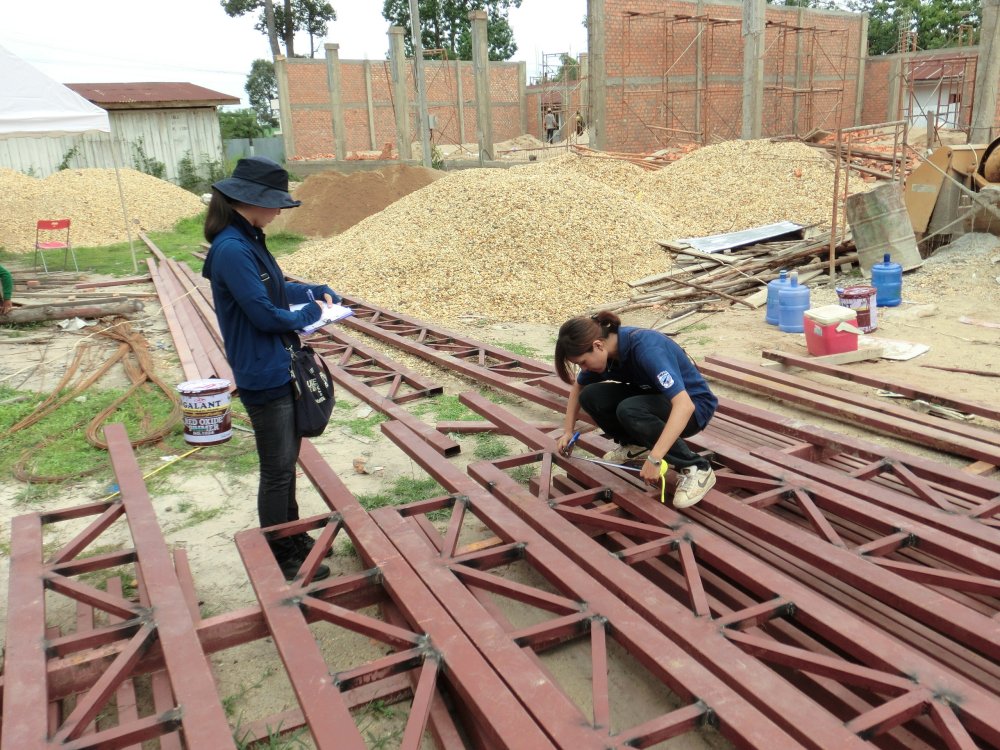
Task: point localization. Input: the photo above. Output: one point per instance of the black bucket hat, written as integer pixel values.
(258, 181)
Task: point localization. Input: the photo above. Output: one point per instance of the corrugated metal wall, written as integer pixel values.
(166, 135)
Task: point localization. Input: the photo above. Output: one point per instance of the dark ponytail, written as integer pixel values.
(219, 216)
(577, 337)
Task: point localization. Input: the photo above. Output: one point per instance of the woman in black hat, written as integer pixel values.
(252, 306)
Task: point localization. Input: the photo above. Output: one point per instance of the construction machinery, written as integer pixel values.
(954, 191)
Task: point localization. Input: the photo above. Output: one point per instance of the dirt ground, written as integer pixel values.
(961, 281)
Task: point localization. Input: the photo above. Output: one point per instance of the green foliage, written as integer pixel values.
(490, 447)
(445, 408)
(936, 22)
(261, 88)
(195, 178)
(143, 162)
(364, 426)
(437, 158)
(68, 157)
(446, 25)
(514, 347)
(524, 474)
(310, 16)
(569, 70)
(405, 490)
(240, 123)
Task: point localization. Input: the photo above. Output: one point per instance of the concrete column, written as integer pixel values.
(460, 95)
(400, 94)
(895, 84)
(370, 104)
(333, 80)
(596, 74)
(481, 70)
(699, 72)
(423, 119)
(859, 89)
(522, 95)
(984, 108)
(753, 68)
(584, 100)
(799, 42)
(284, 105)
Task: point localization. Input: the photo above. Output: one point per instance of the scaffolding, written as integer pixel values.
(686, 105)
(562, 84)
(949, 103)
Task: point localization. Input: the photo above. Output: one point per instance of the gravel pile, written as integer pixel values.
(740, 184)
(513, 245)
(90, 198)
(615, 173)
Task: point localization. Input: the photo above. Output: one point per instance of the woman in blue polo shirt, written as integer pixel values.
(644, 391)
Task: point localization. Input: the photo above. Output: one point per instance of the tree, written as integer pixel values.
(262, 87)
(240, 123)
(280, 22)
(445, 24)
(936, 22)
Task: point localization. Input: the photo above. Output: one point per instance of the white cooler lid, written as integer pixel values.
(832, 314)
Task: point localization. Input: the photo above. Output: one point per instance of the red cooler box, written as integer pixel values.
(831, 329)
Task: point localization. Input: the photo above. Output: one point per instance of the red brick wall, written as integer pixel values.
(650, 65)
(312, 121)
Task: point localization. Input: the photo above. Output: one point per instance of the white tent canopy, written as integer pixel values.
(32, 104)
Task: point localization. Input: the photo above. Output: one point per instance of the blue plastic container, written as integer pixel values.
(773, 286)
(887, 278)
(793, 301)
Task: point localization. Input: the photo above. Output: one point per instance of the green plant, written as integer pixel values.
(437, 158)
(230, 702)
(490, 447)
(364, 426)
(68, 156)
(192, 179)
(144, 162)
(275, 740)
(445, 409)
(514, 347)
(405, 490)
(524, 474)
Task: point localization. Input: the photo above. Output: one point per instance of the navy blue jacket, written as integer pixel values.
(239, 265)
(652, 360)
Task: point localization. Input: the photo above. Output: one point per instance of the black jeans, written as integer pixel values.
(277, 450)
(629, 414)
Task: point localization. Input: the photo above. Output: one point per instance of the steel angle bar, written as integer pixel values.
(181, 346)
(826, 624)
(493, 711)
(932, 481)
(856, 376)
(372, 366)
(665, 659)
(938, 434)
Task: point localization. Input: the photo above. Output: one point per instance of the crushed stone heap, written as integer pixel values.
(513, 245)
(333, 201)
(90, 198)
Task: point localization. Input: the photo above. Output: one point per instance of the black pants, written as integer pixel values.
(629, 414)
(277, 450)
(550, 134)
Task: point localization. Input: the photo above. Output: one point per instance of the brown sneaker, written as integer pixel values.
(693, 485)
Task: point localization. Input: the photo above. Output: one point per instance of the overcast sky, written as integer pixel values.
(75, 41)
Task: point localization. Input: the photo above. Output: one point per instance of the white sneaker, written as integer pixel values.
(625, 454)
(693, 485)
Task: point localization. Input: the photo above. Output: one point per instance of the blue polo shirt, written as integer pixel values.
(650, 360)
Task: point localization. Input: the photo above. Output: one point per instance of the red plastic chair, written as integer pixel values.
(46, 228)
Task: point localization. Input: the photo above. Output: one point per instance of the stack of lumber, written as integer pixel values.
(739, 276)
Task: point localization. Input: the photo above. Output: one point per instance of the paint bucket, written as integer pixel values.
(205, 409)
(881, 224)
(861, 299)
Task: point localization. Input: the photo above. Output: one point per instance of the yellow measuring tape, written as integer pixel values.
(664, 468)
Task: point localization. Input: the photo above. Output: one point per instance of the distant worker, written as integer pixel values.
(578, 119)
(655, 397)
(550, 126)
(8, 291)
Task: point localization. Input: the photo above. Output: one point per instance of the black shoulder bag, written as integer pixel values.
(312, 383)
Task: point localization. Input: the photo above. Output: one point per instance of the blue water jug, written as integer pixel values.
(773, 286)
(793, 301)
(887, 278)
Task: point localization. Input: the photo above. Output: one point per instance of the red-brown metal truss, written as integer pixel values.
(602, 616)
(882, 682)
(162, 617)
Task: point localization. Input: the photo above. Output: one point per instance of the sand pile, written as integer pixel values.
(90, 199)
(740, 184)
(513, 245)
(333, 201)
(615, 173)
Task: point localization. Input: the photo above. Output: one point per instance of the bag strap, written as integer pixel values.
(290, 340)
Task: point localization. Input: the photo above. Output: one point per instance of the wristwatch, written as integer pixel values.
(654, 461)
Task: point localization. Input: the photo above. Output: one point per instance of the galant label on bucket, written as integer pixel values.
(205, 410)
